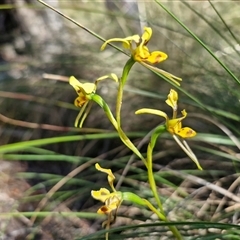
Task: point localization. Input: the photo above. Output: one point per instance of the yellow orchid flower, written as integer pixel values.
(138, 48)
(85, 92)
(112, 200)
(140, 52)
(174, 125)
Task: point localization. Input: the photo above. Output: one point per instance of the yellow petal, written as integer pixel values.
(141, 53)
(80, 100)
(104, 210)
(101, 195)
(114, 40)
(184, 112)
(112, 76)
(105, 170)
(152, 111)
(126, 41)
(75, 83)
(172, 99)
(88, 88)
(134, 38)
(175, 125)
(111, 177)
(156, 57)
(112, 203)
(144, 39)
(147, 34)
(186, 132)
(85, 88)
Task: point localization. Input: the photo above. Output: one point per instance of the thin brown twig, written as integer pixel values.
(55, 77)
(233, 186)
(46, 126)
(207, 184)
(26, 97)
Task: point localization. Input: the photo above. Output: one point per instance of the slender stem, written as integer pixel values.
(127, 69)
(158, 131)
(96, 98)
(108, 227)
(151, 178)
(122, 135)
(152, 183)
(175, 232)
(130, 145)
(122, 82)
(132, 197)
(154, 210)
(119, 102)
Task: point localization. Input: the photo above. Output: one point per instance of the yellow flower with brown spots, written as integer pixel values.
(112, 200)
(174, 124)
(138, 47)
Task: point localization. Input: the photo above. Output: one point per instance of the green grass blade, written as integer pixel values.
(198, 40)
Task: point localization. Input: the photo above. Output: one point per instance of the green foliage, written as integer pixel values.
(37, 118)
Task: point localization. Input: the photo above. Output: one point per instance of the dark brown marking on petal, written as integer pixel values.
(104, 209)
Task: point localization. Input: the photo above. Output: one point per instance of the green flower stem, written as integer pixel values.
(96, 98)
(129, 196)
(119, 103)
(162, 217)
(130, 145)
(122, 135)
(122, 82)
(157, 132)
(126, 70)
(153, 187)
(160, 214)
